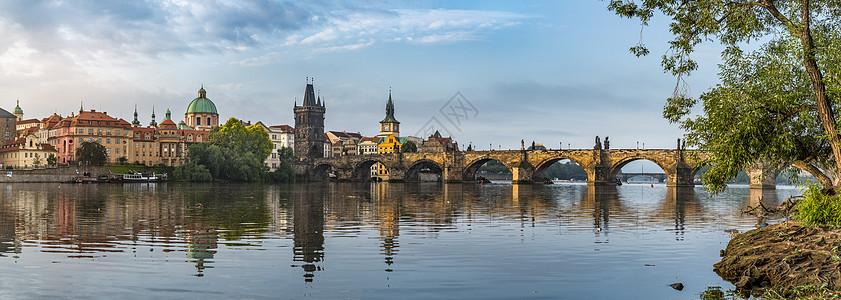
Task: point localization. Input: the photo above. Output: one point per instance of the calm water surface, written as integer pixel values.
(366, 241)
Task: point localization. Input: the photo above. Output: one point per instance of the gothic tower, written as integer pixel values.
(389, 125)
(309, 126)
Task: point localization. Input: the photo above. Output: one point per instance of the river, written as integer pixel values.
(367, 241)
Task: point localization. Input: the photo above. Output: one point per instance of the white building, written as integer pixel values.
(281, 136)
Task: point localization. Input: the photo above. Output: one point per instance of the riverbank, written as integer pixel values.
(53, 174)
(785, 260)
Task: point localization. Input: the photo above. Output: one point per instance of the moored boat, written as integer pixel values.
(142, 177)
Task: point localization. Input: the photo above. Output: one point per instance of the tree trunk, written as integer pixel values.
(824, 106)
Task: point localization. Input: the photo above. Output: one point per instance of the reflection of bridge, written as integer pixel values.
(626, 176)
(526, 166)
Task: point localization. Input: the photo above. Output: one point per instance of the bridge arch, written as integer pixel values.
(414, 170)
(540, 169)
(362, 169)
(469, 173)
(322, 171)
(617, 166)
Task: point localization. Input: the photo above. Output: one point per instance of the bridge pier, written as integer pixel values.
(762, 177)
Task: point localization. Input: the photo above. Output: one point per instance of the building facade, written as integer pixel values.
(8, 127)
(281, 136)
(309, 126)
(25, 152)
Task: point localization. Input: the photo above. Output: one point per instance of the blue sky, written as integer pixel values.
(548, 71)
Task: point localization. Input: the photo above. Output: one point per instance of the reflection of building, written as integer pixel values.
(308, 231)
(201, 243)
(388, 211)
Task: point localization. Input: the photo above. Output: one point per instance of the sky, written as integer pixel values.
(487, 73)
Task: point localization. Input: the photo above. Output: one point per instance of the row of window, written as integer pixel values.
(98, 131)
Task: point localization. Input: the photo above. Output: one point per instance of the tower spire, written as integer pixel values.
(153, 123)
(135, 122)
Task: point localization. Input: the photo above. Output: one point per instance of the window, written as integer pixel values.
(117, 150)
(117, 132)
(274, 155)
(108, 132)
(274, 136)
(208, 121)
(108, 150)
(80, 131)
(90, 131)
(99, 132)
(108, 140)
(198, 121)
(99, 140)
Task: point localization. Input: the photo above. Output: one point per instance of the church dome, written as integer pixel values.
(201, 105)
(18, 110)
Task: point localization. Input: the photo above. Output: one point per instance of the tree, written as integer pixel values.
(233, 152)
(774, 105)
(91, 153)
(52, 160)
(409, 146)
(123, 160)
(37, 160)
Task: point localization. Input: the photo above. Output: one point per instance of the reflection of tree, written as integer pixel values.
(309, 229)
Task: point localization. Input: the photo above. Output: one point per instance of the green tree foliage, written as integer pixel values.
(774, 105)
(191, 171)
(52, 160)
(816, 208)
(565, 171)
(409, 146)
(37, 160)
(285, 171)
(232, 152)
(91, 153)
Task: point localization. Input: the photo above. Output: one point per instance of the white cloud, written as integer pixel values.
(17, 61)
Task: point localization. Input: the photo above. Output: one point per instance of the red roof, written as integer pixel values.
(168, 124)
(28, 121)
(283, 128)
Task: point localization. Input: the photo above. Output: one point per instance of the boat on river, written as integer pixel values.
(142, 177)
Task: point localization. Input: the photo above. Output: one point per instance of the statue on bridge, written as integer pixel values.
(522, 145)
(606, 143)
(598, 145)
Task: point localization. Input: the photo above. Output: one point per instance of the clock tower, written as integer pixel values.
(389, 125)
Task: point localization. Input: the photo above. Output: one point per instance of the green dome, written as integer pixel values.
(18, 110)
(201, 105)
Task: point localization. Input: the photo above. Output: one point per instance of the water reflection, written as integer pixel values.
(309, 229)
(461, 234)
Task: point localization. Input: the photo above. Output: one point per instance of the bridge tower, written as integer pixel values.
(309, 126)
(389, 125)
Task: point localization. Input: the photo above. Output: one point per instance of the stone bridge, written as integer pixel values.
(526, 166)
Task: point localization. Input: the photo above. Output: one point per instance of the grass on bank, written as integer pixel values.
(818, 209)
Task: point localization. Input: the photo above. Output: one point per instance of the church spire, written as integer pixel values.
(135, 122)
(389, 111)
(153, 123)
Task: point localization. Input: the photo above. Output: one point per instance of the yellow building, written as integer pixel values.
(388, 144)
(26, 152)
